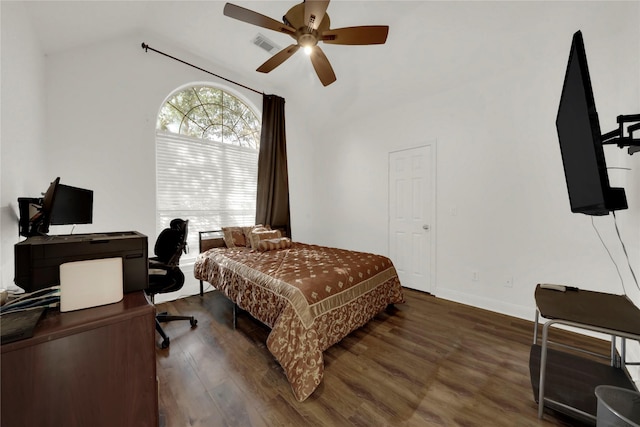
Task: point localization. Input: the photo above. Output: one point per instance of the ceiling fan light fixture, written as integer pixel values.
(308, 23)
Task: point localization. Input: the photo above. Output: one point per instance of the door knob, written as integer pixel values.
(426, 226)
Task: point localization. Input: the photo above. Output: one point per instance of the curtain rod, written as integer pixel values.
(146, 48)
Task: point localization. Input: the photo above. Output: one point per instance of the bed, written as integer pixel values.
(310, 296)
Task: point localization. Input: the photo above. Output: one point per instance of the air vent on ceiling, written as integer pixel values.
(266, 44)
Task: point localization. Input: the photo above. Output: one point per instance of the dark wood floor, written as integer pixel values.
(428, 362)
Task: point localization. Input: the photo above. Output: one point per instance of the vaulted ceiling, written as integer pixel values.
(432, 45)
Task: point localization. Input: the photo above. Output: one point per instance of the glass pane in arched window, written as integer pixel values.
(210, 113)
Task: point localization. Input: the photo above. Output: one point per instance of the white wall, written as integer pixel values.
(22, 126)
(498, 167)
(102, 107)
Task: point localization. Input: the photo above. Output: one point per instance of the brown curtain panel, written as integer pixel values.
(272, 202)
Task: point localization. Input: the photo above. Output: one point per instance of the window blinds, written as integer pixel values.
(211, 184)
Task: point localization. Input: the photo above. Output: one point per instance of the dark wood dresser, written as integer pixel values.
(92, 367)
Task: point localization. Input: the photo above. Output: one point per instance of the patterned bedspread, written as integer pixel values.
(310, 296)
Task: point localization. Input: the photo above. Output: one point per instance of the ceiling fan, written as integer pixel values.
(308, 23)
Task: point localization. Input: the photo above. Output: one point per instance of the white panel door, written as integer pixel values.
(411, 206)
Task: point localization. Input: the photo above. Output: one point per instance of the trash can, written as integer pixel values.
(617, 407)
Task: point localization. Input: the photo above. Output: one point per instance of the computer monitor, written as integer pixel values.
(60, 205)
(38, 224)
(581, 141)
(72, 205)
(50, 196)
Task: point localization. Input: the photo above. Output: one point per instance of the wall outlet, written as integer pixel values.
(509, 283)
(475, 275)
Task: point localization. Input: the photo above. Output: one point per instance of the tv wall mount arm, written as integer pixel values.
(617, 136)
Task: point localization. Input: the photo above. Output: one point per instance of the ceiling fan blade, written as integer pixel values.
(314, 11)
(251, 17)
(278, 58)
(322, 66)
(367, 34)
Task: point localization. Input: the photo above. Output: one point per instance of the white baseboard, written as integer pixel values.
(514, 310)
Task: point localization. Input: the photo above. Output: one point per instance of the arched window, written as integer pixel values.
(207, 144)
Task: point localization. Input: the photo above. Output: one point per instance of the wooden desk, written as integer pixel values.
(564, 381)
(91, 367)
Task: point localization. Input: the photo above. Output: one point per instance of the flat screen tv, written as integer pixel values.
(580, 140)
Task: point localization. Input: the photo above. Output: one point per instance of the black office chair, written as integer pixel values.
(164, 270)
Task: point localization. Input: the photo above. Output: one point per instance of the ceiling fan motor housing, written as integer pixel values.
(307, 39)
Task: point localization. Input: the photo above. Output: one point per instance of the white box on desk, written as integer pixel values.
(90, 283)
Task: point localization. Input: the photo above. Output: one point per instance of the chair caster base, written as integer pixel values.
(165, 343)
